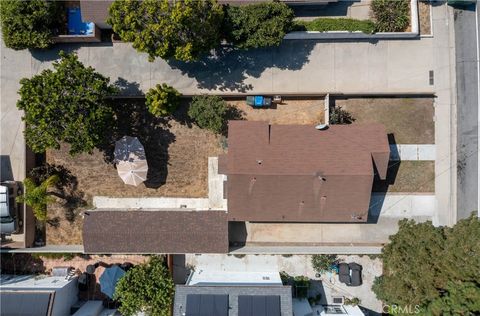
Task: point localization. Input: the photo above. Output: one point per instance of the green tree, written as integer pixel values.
(37, 196)
(322, 263)
(209, 112)
(390, 16)
(67, 104)
(435, 268)
(258, 25)
(162, 100)
(459, 299)
(28, 24)
(162, 28)
(146, 288)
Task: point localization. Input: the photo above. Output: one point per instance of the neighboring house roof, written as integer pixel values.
(97, 10)
(242, 300)
(296, 173)
(155, 231)
(26, 303)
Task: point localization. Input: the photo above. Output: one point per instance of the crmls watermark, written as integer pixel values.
(396, 309)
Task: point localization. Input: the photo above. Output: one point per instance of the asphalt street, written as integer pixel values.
(466, 47)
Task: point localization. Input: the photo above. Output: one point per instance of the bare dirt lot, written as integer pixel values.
(290, 111)
(407, 120)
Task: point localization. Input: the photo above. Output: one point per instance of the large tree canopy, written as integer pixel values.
(146, 288)
(162, 28)
(435, 268)
(258, 25)
(28, 24)
(66, 104)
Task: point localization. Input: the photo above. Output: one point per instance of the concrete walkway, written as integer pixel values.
(412, 152)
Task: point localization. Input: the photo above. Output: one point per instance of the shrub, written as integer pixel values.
(28, 24)
(37, 197)
(162, 100)
(390, 16)
(352, 301)
(162, 28)
(322, 263)
(146, 288)
(209, 112)
(340, 116)
(334, 24)
(258, 25)
(54, 255)
(66, 104)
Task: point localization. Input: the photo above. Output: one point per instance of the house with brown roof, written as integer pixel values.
(296, 173)
(274, 173)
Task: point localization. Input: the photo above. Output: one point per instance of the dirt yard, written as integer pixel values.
(290, 111)
(407, 120)
(408, 176)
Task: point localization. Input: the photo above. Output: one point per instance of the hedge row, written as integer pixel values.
(336, 24)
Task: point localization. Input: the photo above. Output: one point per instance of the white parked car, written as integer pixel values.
(9, 223)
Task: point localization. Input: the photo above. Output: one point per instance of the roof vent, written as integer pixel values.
(259, 162)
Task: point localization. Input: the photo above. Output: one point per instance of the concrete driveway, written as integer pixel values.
(294, 67)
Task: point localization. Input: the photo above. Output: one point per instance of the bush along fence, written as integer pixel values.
(337, 28)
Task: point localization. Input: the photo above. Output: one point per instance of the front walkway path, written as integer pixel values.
(412, 152)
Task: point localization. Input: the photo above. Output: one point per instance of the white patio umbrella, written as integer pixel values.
(131, 162)
(133, 172)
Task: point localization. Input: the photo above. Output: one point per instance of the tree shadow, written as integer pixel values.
(227, 68)
(131, 117)
(233, 114)
(337, 9)
(66, 189)
(19, 264)
(126, 87)
(54, 222)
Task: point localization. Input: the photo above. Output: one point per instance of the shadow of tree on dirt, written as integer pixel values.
(66, 190)
(133, 119)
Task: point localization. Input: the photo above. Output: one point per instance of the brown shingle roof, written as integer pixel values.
(300, 174)
(155, 231)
